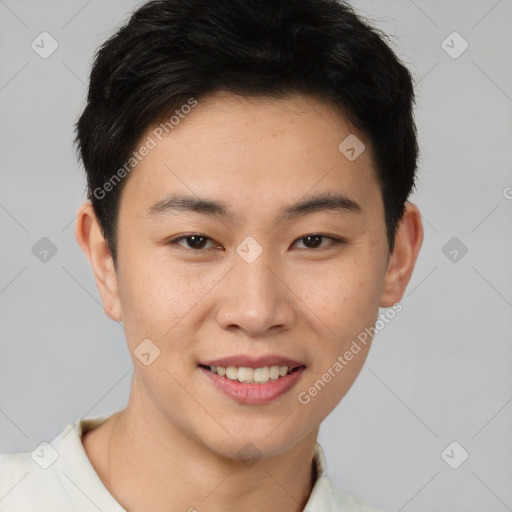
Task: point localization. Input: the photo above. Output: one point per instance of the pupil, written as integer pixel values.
(194, 243)
(309, 238)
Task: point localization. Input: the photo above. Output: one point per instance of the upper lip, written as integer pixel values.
(253, 362)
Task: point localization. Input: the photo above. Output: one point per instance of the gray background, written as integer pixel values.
(438, 373)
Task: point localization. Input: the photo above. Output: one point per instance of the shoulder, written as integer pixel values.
(347, 502)
(40, 479)
(25, 485)
(54, 476)
(325, 497)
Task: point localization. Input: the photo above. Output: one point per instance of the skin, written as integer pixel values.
(175, 444)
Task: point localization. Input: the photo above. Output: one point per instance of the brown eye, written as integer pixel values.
(194, 242)
(313, 241)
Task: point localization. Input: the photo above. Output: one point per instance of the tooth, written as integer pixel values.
(245, 374)
(232, 372)
(252, 375)
(273, 372)
(261, 374)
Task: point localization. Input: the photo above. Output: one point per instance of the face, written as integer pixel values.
(243, 278)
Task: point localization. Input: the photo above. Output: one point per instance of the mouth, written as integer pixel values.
(259, 385)
(248, 375)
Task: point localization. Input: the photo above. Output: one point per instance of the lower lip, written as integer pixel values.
(254, 394)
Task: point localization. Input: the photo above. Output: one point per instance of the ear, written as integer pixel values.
(408, 240)
(90, 238)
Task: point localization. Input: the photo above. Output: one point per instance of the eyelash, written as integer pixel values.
(334, 241)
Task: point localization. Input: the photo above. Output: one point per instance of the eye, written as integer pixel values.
(195, 241)
(313, 241)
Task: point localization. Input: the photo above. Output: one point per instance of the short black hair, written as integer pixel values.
(170, 51)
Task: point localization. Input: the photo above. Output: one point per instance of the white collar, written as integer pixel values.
(76, 466)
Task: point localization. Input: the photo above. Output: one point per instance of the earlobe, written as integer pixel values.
(90, 238)
(408, 240)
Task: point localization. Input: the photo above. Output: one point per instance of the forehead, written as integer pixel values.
(253, 152)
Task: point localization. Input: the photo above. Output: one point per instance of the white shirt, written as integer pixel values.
(59, 477)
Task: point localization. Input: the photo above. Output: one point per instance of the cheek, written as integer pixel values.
(152, 297)
(155, 302)
(343, 296)
(157, 298)
(346, 302)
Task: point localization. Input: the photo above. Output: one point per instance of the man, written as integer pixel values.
(248, 167)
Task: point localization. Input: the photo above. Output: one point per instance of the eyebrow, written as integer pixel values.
(329, 202)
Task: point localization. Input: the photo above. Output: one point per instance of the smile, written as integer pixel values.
(253, 386)
(251, 375)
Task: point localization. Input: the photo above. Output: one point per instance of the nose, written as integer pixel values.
(256, 298)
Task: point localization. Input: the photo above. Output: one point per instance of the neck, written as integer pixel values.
(150, 464)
